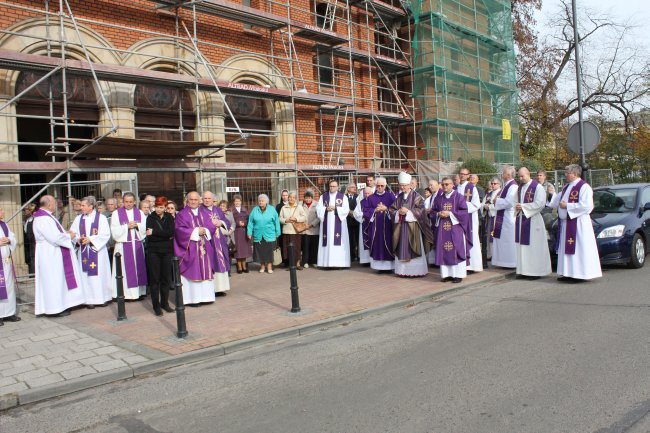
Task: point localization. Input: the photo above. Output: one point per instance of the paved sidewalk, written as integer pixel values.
(45, 357)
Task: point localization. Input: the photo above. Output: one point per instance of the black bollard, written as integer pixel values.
(295, 299)
(180, 306)
(121, 310)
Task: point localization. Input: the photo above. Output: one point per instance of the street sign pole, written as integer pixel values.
(576, 40)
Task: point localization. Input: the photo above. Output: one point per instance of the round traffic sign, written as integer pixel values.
(591, 137)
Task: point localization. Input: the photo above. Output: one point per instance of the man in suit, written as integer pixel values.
(353, 224)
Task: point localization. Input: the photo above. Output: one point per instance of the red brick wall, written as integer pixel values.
(139, 17)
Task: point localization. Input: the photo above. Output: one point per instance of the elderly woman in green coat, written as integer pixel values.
(263, 230)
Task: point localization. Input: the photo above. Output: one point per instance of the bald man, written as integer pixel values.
(533, 257)
(58, 282)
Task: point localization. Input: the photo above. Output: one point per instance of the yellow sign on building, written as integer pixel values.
(507, 132)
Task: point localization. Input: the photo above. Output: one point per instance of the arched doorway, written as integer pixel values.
(158, 116)
(254, 117)
(34, 128)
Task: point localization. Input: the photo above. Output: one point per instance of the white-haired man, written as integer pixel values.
(577, 251)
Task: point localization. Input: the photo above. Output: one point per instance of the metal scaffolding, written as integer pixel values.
(464, 80)
(364, 114)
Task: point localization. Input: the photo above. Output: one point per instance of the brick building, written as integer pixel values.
(250, 95)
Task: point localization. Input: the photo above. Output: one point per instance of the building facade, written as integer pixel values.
(250, 96)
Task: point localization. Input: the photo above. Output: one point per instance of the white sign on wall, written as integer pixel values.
(232, 189)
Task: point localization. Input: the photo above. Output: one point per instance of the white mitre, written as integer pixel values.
(404, 178)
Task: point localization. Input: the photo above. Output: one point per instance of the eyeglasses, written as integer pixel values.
(494, 183)
(464, 174)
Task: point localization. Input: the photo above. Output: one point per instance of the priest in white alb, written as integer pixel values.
(364, 241)
(533, 257)
(7, 273)
(577, 251)
(92, 233)
(503, 232)
(468, 190)
(58, 283)
(333, 210)
(129, 228)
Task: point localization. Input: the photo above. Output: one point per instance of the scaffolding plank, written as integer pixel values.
(232, 11)
(384, 9)
(367, 113)
(315, 33)
(139, 166)
(385, 62)
(119, 73)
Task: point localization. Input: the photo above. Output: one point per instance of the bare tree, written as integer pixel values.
(615, 76)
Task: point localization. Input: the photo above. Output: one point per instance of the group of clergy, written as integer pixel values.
(401, 234)
(404, 233)
(517, 232)
(73, 266)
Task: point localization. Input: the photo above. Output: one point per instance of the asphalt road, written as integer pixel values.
(516, 356)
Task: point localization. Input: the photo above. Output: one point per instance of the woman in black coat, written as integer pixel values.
(160, 250)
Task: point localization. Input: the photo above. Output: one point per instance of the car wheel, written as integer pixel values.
(637, 255)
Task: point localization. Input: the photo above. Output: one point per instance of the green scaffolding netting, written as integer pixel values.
(464, 79)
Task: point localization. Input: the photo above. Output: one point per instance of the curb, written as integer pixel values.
(28, 396)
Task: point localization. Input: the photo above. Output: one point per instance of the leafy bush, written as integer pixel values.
(479, 166)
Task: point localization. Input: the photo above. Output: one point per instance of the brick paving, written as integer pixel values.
(40, 351)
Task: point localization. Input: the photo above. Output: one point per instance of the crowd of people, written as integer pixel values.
(451, 224)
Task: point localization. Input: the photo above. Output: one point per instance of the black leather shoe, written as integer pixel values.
(246, 270)
(220, 294)
(168, 309)
(158, 312)
(63, 313)
(456, 280)
(444, 280)
(564, 279)
(90, 306)
(239, 271)
(13, 318)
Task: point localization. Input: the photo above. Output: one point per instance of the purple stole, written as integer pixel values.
(219, 242)
(89, 254)
(469, 230)
(571, 238)
(521, 219)
(337, 221)
(365, 225)
(3, 284)
(134, 266)
(498, 219)
(450, 248)
(68, 268)
(206, 266)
